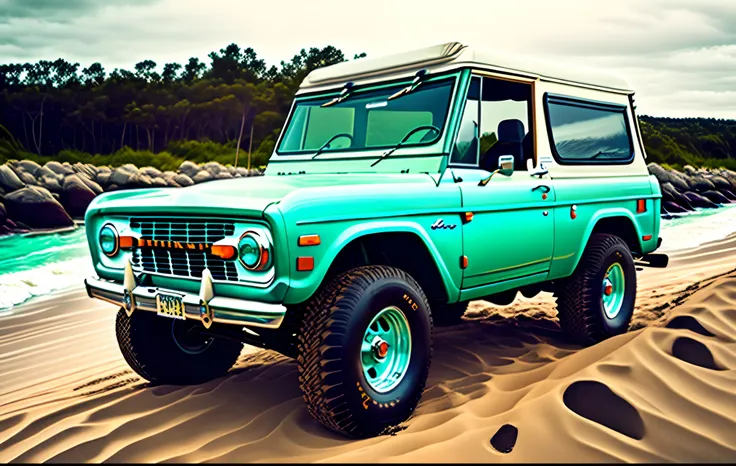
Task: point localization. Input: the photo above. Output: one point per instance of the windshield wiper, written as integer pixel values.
(421, 74)
(344, 94)
(327, 144)
(404, 139)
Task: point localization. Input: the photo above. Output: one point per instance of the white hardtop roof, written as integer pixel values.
(456, 55)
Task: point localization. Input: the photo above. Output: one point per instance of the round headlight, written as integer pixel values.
(109, 240)
(254, 251)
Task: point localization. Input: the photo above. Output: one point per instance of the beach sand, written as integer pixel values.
(504, 387)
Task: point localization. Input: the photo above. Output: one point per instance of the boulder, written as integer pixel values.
(716, 197)
(204, 175)
(26, 177)
(719, 182)
(214, 168)
(150, 171)
(44, 171)
(102, 178)
(729, 194)
(58, 168)
(30, 166)
(85, 169)
(37, 208)
(104, 169)
(702, 184)
(3, 214)
(673, 207)
(189, 168)
(121, 175)
(669, 193)
(232, 170)
(76, 196)
(51, 183)
(696, 200)
(96, 188)
(113, 187)
(159, 182)
(689, 170)
(244, 171)
(183, 180)
(223, 175)
(9, 181)
(139, 180)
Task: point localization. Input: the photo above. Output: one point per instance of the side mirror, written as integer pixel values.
(506, 165)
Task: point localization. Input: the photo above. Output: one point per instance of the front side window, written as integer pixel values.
(366, 119)
(588, 132)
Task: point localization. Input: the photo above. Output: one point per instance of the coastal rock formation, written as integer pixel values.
(50, 195)
(695, 188)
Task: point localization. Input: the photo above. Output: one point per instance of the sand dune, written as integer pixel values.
(504, 386)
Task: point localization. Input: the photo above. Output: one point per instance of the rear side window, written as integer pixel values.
(587, 132)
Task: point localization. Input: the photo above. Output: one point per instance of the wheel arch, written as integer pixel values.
(419, 257)
(615, 221)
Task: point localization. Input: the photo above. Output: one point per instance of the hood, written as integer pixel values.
(239, 196)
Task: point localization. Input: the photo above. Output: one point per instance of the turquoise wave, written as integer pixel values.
(26, 252)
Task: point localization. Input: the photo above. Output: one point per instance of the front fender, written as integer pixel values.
(304, 284)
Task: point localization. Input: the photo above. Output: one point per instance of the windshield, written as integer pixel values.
(367, 119)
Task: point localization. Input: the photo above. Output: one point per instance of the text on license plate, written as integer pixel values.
(170, 306)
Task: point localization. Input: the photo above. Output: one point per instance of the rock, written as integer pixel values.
(76, 196)
(104, 169)
(102, 178)
(696, 200)
(204, 175)
(140, 180)
(223, 175)
(113, 187)
(729, 194)
(37, 208)
(183, 180)
(232, 170)
(3, 214)
(96, 188)
(719, 182)
(669, 193)
(150, 171)
(666, 176)
(9, 181)
(701, 184)
(242, 171)
(159, 182)
(51, 183)
(58, 168)
(87, 170)
(27, 178)
(30, 166)
(189, 168)
(730, 177)
(121, 175)
(689, 170)
(44, 171)
(716, 197)
(214, 168)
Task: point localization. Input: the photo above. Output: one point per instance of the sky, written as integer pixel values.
(679, 55)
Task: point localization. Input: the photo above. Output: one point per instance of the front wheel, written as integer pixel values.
(597, 301)
(364, 350)
(169, 351)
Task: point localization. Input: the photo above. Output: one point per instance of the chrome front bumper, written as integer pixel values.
(205, 307)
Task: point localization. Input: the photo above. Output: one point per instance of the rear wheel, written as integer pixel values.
(597, 301)
(170, 351)
(364, 350)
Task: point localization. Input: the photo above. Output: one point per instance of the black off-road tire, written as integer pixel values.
(149, 346)
(330, 373)
(446, 315)
(579, 297)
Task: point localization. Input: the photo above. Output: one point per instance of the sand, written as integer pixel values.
(504, 387)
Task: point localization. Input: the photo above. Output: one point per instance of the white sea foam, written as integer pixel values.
(18, 287)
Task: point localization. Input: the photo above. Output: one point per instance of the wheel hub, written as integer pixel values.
(386, 350)
(614, 287)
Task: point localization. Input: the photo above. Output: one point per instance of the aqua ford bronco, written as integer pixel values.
(400, 188)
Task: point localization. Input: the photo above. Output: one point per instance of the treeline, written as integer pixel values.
(219, 110)
(700, 142)
(53, 106)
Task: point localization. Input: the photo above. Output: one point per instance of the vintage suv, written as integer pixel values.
(400, 188)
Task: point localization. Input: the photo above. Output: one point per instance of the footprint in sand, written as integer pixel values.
(598, 403)
(689, 323)
(694, 352)
(505, 439)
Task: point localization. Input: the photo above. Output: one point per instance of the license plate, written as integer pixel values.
(170, 306)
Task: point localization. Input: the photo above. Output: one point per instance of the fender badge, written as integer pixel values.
(440, 225)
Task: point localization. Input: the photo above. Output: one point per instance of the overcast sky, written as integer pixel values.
(679, 55)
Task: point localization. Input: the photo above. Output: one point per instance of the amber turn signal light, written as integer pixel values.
(468, 217)
(128, 242)
(305, 263)
(309, 240)
(641, 206)
(223, 251)
(646, 238)
(463, 262)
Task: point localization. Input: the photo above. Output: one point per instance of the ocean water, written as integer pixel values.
(37, 265)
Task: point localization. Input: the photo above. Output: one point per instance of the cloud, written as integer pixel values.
(679, 55)
(55, 10)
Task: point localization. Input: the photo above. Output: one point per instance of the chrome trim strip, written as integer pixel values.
(226, 310)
